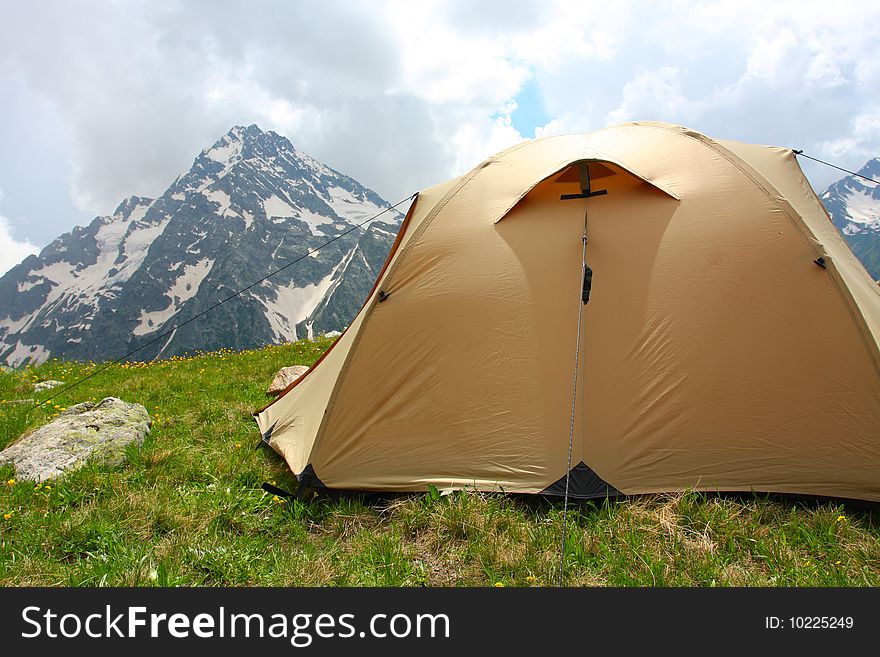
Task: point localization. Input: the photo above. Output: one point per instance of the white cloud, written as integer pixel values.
(476, 140)
(12, 251)
(405, 95)
(862, 138)
(657, 94)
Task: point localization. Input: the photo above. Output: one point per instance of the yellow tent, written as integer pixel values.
(730, 340)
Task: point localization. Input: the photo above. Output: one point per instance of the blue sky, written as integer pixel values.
(529, 113)
(102, 100)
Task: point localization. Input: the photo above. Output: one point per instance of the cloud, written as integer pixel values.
(399, 95)
(862, 137)
(405, 95)
(12, 251)
(656, 93)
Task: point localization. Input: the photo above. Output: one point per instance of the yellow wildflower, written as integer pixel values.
(531, 579)
(7, 516)
(237, 445)
(841, 518)
(499, 585)
(11, 482)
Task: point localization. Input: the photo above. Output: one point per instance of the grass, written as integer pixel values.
(188, 510)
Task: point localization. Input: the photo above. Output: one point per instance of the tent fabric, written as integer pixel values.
(715, 353)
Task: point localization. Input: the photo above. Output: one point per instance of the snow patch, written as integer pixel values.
(314, 166)
(275, 207)
(384, 232)
(354, 210)
(227, 150)
(314, 220)
(16, 325)
(863, 209)
(185, 287)
(275, 252)
(24, 286)
(293, 304)
(138, 213)
(167, 342)
(136, 246)
(110, 235)
(201, 183)
(22, 354)
(220, 197)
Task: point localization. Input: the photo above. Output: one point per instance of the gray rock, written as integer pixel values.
(47, 385)
(285, 376)
(86, 431)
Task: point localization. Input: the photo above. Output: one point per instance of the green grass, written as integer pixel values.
(188, 510)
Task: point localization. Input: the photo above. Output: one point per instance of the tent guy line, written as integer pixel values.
(585, 193)
(834, 166)
(37, 404)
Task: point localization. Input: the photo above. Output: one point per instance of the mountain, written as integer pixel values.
(854, 206)
(249, 205)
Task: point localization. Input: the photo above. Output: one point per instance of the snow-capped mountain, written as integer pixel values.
(854, 206)
(249, 204)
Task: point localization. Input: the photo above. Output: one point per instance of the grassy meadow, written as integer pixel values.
(188, 509)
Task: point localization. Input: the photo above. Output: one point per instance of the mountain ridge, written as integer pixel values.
(249, 203)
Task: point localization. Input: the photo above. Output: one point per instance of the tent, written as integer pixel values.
(729, 342)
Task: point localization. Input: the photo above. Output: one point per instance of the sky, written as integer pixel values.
(103, 100)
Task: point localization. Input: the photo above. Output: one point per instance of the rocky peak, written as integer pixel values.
(249, 204)
(130, 204)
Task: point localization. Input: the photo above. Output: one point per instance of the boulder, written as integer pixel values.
(47, 385)
(99, 432)
(285, 376)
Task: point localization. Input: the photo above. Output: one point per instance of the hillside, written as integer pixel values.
(188, 510)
